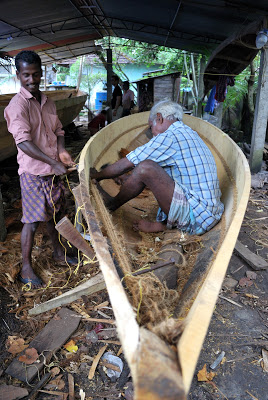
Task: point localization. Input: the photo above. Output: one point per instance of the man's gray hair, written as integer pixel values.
(168, 109)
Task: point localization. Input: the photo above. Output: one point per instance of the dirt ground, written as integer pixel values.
(240, 329)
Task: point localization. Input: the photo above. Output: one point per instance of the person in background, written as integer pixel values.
(179, 169)
(32, 120)
(117, 108)
(98, 122)
(128, 99)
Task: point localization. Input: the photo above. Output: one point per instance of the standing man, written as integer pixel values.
(128, 99)
(117, 108)
(32, 120)
(180, 170)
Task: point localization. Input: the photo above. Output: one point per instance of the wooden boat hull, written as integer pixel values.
(68, 103)
(198, 298)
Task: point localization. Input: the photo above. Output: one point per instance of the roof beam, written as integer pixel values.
(28, 33)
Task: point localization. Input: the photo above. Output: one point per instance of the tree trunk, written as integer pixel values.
(251, 93)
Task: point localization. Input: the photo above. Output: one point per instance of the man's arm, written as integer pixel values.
(117, 104)
(132, 99)
(120, 167)
(64, 156)
(29, 148)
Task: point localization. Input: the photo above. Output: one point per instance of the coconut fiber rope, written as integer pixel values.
(151, 299)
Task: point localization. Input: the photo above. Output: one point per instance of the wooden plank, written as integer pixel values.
(127, 326)
(256, 262)
(50, 339)
(93, 285)
(260, 117)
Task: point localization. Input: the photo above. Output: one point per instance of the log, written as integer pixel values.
(93, 285)
(50, 339)
(169, 273)
(256, 262)
(68, 231)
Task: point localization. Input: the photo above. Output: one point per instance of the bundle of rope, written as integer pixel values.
(150, 298)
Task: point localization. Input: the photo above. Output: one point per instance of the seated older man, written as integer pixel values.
(178, 167)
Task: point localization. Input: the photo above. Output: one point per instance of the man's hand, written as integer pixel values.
(114, 113)
(94, 174)
(58, 168)
(65, 158)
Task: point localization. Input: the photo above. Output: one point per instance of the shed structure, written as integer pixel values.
(156, 88)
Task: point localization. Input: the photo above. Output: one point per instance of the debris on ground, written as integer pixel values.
(87, 362)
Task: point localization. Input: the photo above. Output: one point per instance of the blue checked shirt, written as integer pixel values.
(190, 163)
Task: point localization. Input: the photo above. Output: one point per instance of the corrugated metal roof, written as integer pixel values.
(71, 25)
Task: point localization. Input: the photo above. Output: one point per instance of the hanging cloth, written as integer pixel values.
(211, 101)
(221, 87)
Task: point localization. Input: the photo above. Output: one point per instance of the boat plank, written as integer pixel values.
(50, 339)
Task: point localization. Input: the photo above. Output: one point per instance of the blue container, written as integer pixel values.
(100, 97)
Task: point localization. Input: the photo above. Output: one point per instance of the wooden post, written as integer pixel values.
(109, 82)
(188, 77)
(260, 116)
(45, 78)
(194, 75)
(218, 114)
(3, 230)
(80, 73)
(201, 85)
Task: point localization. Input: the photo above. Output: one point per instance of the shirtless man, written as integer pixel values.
(32, 120)
(178, 167)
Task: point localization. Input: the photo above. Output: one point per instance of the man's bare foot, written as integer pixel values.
(148, 227)
(28, 277)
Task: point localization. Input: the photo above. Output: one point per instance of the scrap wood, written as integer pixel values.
(96, 361)
(39, 386)
(255, 398)
(104, 315)
(256, 262)
(93, 285)
(101, 305)
(264, 360)
(230, 301)
(55, 393)
(71, 386)
(10, 392)
(104, 363)
(109, 341)
(87, 317)
(256, 343)
(242, 358)
(120, 351)
(48, 340)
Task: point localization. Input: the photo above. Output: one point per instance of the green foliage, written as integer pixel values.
(146, 53)
(62, 72)
(88, 79)
(236, 93)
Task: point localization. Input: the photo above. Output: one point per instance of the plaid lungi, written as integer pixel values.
(180, 214)
(41, 197)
